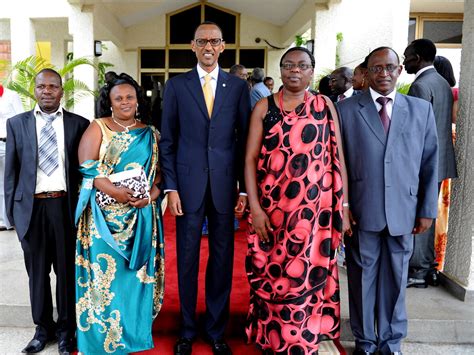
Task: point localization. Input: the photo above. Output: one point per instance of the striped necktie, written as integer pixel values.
(48, 146)
(208, 95)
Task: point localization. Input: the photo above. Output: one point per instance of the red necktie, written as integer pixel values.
(341, 97)
(383, 112)
(1, 90)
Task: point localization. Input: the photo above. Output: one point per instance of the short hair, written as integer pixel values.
(104, 103)
(51, 71)
(424, 48)
(345, 71)
(378, 49)
(211, 23)
(257, 75)
(445, 69)
(301, 49)
(235, 68)
(267, 78)
(323, 86)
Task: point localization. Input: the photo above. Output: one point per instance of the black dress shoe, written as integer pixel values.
(359, 351)
(183, 346)
(432, 278)
(35, 346)
(418, 283)
(66, 346)
(220, 347)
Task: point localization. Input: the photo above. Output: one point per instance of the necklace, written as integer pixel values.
(126, 128)
(280, 102)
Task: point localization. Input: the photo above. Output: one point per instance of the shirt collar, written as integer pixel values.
(375, 95)
(38, 111)
(202, 73)
(348, 92)
(418, 73)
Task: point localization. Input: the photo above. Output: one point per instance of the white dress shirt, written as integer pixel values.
(423, 70)
(57, 180)
(389, 105)
(348, 93)
(214, 75)
(10, 105)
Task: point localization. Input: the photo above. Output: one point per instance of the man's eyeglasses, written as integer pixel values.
(379, 68)
(202, 42)
(291, 66)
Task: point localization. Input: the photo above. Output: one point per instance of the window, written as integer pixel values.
(443, 29)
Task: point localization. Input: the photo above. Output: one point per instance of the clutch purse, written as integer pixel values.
(134, 179)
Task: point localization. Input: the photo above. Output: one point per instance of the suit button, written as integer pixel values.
(209, 148)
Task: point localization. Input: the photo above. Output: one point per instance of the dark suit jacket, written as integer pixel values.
(21, 162)
(392, 180)
(355, 93)
(433, 88)
(196, 150)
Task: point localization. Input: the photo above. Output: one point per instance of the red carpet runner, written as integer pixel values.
(166, 325)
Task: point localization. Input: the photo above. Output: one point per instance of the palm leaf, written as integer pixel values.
(73, 63)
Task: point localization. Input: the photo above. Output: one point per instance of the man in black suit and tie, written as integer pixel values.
(204, 128)
(41, 188)
(432, 87)
(340, 82)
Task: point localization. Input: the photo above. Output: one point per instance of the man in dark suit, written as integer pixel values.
(340, 82)
(204, 128)
(391, 153)
(432, 87)
(41, 187)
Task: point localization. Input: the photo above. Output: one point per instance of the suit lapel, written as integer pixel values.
(398, 119)
(68, 138)
(370, 115)
(194, 86)
(31, 134)
(221, 91)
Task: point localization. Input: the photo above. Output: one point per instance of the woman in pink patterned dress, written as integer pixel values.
(294, 177)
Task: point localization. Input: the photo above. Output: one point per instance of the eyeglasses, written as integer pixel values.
(291, 66)
(379, 68)
(202, 42)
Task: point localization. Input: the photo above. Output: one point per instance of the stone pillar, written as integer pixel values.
(23, 38)
(81, 27)
(323, 31)
(459, 264)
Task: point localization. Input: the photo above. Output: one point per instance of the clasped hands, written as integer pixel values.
(125, 195)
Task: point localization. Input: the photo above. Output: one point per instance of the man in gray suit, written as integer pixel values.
(392, 163)
(432, 87)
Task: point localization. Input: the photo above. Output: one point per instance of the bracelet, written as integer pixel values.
(345, 204)
(149, 199)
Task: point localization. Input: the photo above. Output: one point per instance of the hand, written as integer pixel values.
(139, 202)
(174, 204)
(422, 225)
(346, 222)
(123, 195)
(261, 224)
(240, 206)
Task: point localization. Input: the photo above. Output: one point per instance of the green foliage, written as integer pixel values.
(102, 69)
(22, 80)
(299, 40)
(339, 38)
(403, 88)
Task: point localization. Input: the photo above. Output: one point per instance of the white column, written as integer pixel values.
(323, 30)
(81, 27)
(459, 265)
(23, 39)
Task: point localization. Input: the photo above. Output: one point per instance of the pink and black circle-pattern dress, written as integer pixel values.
(294, 287)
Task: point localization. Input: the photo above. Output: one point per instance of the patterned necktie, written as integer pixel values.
(341, 97)
(383, 112)
(208, 96)
(48, 147)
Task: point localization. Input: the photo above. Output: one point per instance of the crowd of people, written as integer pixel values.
(355, 164)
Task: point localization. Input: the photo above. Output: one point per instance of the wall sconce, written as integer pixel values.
(258, 40)
(310, 46)
(97, 48)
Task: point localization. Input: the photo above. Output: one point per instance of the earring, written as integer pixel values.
(136, 112)
(111, 110)
(363, 82)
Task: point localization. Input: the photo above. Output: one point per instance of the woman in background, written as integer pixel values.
(119, 249)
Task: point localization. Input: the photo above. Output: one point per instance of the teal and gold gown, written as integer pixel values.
(119, 252)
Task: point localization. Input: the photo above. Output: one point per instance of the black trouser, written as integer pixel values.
(50, 240)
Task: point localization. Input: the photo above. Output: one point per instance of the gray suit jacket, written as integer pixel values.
(21, 163)
(432, 87)
(392, 180)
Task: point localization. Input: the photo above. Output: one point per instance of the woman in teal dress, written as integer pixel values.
(120, 247)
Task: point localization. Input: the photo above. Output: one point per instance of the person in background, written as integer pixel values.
(10, 105)
(391, 152)
(341, 84)
(296, 183)
(323, 86)
(445, 69)
(239, 71)
(41, 184)
(119, 248)
(109, 76)
(204, 130)
(359, 78)
(269, 83)
(432, 87)
(259, 90)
